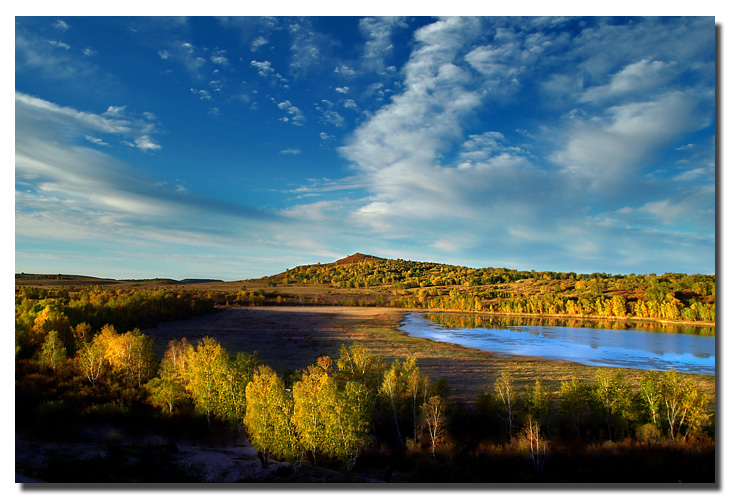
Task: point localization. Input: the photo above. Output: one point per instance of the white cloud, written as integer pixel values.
(334, 118)
(60, 45)
(291, 151)
(609, 147)
(219, 58)
(62, 25)
(342, 90)
(115, 120)
(96, 140)
(345, 70)
(258, 43)
(636, 78)
(294, 114)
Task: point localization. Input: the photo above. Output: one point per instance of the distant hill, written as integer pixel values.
(357, 258)
(48, 279)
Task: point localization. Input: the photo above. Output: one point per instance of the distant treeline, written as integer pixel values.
(412, 284)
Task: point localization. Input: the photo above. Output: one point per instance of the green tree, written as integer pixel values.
(575, 399)
(537, 401)
(53, 353)
(416, 388)
(349, 429)
(315, 397)
(650, 396)
(614, 397)
(359, 364)
(239, 374)
(268, 420)
(393, 391)
(207, 376)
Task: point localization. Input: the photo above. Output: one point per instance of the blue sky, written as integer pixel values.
(238, 147)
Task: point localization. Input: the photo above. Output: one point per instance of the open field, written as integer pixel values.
(290, 338)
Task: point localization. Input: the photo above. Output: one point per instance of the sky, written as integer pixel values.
(238, 147)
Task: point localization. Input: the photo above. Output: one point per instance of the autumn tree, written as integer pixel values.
(207, 376)
(685, 404)
(315, 397)
(268, 420)
(90, 359)
(433, 413)
(359, 364)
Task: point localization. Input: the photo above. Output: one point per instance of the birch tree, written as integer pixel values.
(505, 388)
(53, 353)
(268, 419)
(433, 412)
(207, 371)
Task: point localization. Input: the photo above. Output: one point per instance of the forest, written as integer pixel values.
(84, 364)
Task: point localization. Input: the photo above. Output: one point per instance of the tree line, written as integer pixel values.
(671, 296)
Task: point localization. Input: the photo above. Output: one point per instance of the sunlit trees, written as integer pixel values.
(268, 420)
(131, 354)
(329, 418)
(359, 364)
(315, 397)
(206, 376)
(90, 359)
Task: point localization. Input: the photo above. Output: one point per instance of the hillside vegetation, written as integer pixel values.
(414, 284)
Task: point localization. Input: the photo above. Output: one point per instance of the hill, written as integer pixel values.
(366, 280)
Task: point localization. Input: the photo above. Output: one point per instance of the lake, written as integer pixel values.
(636, 346)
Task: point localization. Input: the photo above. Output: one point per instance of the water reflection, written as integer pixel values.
(599, 343)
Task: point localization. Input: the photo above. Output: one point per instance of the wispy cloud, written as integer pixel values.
(67, 190)
(378, 46)
(291, 151)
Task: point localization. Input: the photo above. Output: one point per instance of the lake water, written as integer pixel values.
(628, 347)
